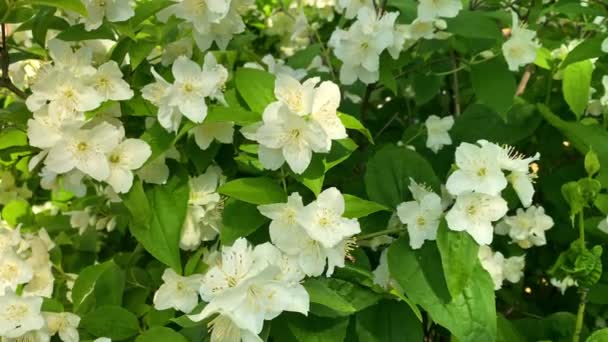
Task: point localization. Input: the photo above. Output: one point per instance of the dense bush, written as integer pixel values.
(303, 170)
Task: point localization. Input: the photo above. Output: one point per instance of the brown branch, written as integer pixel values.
(525, 78)
(5, 81)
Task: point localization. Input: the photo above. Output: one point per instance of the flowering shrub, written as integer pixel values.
(303, 170)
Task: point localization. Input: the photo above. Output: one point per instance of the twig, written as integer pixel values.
(365, 102)
(388, 123)
(5, 81)
(523, 83)
(379, 233)
(455, 85)
(580, 316)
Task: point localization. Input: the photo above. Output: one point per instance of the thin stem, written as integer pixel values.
(580, 316)
(581, 229)
(455, 84)
(365, 102)
(388, 123)
(326, 54)
(380, 233)
(283, 182)
(5, 81)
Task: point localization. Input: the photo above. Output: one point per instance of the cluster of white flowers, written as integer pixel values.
(244, 287)
(360, 46)
(83, 219)
(521, 47)
(25, 268)
(187, 95)
(527, 228)
(210, 21)
(478, 183)
(563, 284)
(61, 95)
(303, 120)
(314, 235)
(501, 268)
(437, 135)
(205, 206)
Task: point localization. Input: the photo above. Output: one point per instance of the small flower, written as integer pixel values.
(206, 132)
(431, 9)
(521, 48)
(422, 218)
(437, 132)
(478, 170)
(64, 323)
(285, 232)
(527, 228)
(19, 315)
(177, 292)
(474, 213)
(113, 10)
(109, 83)
(129, 155)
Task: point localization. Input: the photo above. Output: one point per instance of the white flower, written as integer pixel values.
(527, 228)
(131, 154)
(563, 284)
(314, 257)
(46, 129)
(431, 9)
(382, 276)
(248, 285)
(285, 232)
(604, 99)
(206, 132)
(182, 47)
(277, 67)
(474, 213)
(189, 90)
(513, 268)
(605, 45)
(177, 292)
(78, 62)
(437, 132)
(351, 7)
(325, 104)
(422, 218)
(19, 315)
(85, 150)
(323, 221)
(478, 170)
(420, 29)
(14, 271)
(224, 329)
(109, 83)
(493, 263)
(113, 10)
(81, 219)
(521, 47)
(285, 136)
(65, 324)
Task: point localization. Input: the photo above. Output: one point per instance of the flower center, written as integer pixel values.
(82, 146)
(114, 159)
(8, 272)
(420, 221)
(471, 210)
(16, 312)
(482, 172)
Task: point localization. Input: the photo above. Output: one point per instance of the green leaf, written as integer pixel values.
(111, 321)
(101, 283)
(139, 51)
(239, 220)
(473, 24)
(587, 49)
(388, 321)
(458, 257)
(77, 32)
(145, 10)
(17, 211)
(351, 122)
(470, 316)
(575, 86)
(70, 5)
(426, 87)
(389, 171)
(494, 84)
(237, 115)
(599, 336)
(260, 190)
(159, 140)
(506, 331)
(357, 207)
(256, 87)
(582, 137)
(335, 297)
(160, 334)
(11, 137)
(157, 217)
(290, 327)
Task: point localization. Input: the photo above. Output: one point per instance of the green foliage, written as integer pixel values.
(577, 79)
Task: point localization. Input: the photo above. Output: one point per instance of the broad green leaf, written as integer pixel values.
(146, 9)
(302, 58)
(575, 86)
(481, 122)
(357, 207)
(111, 321)
(426, 87)
(77, 32)
(290, 327)
(10, 137)
(256, 87)
(336, 297)
(157, 217)
(94, 285)
(237, 115)
(160, 334)
(494, 84)
(470, 316)
(239, 220)
(473, 24)
(17, 211)
(458, 257)
(314, 175)
(261, 190)
(582, 137)
(587, 49)
(599, 336)
(389, 171)
(386, 75)
(159, 140)
(388, 321)
(70, 5)
(351, 122)
(139, 51)
(506, 331)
